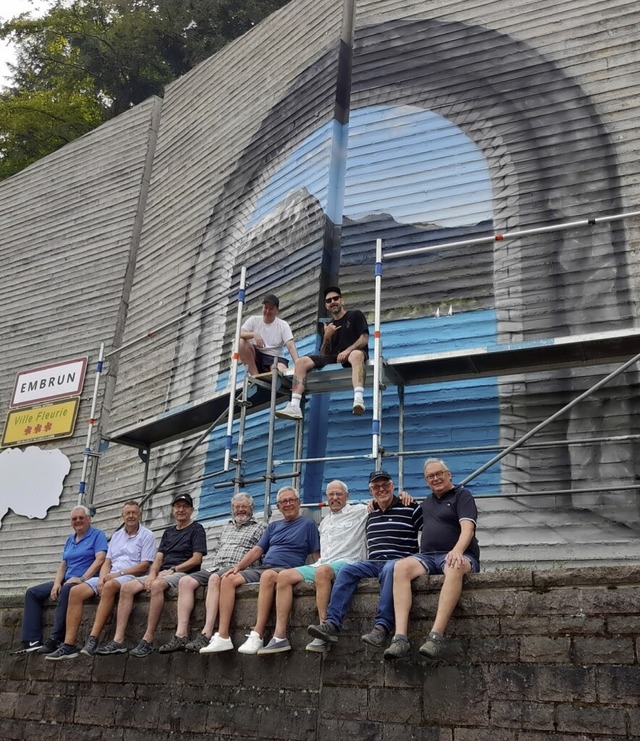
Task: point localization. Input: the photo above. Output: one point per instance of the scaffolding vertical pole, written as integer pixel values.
(241, 435)
(268, 479)
(234, 372)
(92, 418)
(401, 435)
(377, 361)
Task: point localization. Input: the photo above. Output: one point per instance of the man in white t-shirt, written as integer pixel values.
(262, 339)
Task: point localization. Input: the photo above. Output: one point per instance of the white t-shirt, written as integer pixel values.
(342, 535)
(275, 335)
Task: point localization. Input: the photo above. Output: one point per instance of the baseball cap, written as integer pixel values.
(271, 298)
(183, 498)
(379, 475)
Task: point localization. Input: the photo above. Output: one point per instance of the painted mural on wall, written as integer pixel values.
(454, 131)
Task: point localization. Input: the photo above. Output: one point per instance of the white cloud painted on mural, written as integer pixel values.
(31, 480)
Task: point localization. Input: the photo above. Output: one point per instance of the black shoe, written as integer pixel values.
(378, 636)
(64, 651)
(143, 649)
(90, 647)
(326, 631)
(27, 647)
(48, 647)
(177, 643)
(111, 648)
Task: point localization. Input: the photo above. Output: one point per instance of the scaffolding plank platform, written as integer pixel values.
(178, 423)
(479, 362)
(523, 357)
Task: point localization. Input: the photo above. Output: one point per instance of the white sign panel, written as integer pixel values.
(49, 382)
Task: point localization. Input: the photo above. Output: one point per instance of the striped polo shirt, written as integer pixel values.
(393, 533)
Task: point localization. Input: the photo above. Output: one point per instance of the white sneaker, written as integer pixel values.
(289, 412)
(217, 644)
(358, 405)
(252, 644)
(318, 646)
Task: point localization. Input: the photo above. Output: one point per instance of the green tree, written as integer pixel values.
(86, 61)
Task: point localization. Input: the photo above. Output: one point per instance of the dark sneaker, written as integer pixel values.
(377, 637)
(177, 643)
(275, 646)
(432, 647)
(200, 642)
(141, 650)
(111, 648)
(90, 647)
(27, 647)
(398, 649)
(49, 646)
(64, 651)
(326, 631)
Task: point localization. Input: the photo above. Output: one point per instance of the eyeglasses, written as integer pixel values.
(381, 485)
(331, 299)
(288, 501)
(436, 475)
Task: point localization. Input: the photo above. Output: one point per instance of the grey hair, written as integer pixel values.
(86, 510)
(340, 483)
(435, 460)
(287, 488)
(242, 495)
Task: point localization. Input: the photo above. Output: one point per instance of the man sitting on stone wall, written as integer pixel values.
(181, 550)
(448, 546)
(341, 542)
(131, 551)
(285, 544)
(238, 536)
(82, 556)
(392, 530)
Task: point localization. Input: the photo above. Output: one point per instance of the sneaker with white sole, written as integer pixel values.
(27, 647)
(326, 631)
(217, 644)
(252, 645)
(64, 651)
(289, 412)
(398, 649)
(90, 647)
(358, 406)
(318, 646)
(275, 646)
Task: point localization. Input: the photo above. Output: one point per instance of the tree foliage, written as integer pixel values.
(86, 61)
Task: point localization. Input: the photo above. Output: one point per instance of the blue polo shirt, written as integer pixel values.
(288, 543)
(79, 555)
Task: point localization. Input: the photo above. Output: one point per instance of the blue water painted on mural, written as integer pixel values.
(438, 417)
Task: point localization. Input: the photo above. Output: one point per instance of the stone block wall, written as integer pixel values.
(531, 656)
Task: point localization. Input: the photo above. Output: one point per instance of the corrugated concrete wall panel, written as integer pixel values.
(69, 228)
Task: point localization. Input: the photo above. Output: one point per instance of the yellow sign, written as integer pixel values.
(46, 422)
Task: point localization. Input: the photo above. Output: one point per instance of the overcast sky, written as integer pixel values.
(9, 9)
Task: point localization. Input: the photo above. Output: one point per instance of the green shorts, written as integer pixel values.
(309, 572)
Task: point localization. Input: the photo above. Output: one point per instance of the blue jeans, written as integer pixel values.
(346, 583)
(34, 601)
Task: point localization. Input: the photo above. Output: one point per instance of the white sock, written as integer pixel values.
(295, 400)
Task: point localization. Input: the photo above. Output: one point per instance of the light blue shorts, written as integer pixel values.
(309, 572)
(93, 582)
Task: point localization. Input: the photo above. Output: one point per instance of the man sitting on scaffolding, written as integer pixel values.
(263, 337)
(345, 340)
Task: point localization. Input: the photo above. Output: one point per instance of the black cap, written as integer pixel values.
(379, 475)
(271, 298)
(183, 498)
(329, 289)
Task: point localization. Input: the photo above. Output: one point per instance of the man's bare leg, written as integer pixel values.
(449, 596)
(211, 604)
(125, 605)
(78, 595)
(228, 587)
(404, 572)
(186, 601)
(284, 600)
(266, 595)
(247, 354)
(105, 606)
(324, 580)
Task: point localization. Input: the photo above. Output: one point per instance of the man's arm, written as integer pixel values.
(361, 342)
(253, 555)
(94, 568)
(189, 564)
(291, 347)
(57, 580)
(455, 557)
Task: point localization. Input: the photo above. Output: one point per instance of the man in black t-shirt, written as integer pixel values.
(182, 547)
(448, 546)
(345, 340)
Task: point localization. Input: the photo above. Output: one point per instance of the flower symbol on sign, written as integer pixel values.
(48, 426)
(27, 430)
(38, 428)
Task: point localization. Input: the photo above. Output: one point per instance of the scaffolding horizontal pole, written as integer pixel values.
(366, 456)
(511, 235)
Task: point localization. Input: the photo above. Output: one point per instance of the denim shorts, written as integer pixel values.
(434, 561)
